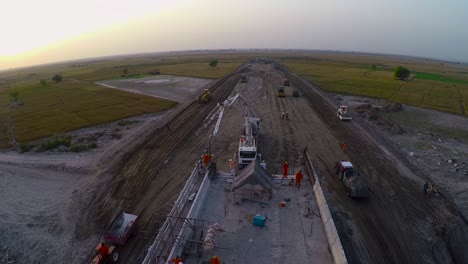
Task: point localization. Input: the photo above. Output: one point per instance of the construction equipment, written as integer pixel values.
(343, 114)
(355, 185)
(281, 92)
(248, 141)
(205, 97)
(286, 82)
(123, 226)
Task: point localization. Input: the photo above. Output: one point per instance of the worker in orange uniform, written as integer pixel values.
(285, 169)
(102, 250)
(177, 260)
(206, 159)
(298, 179)
(345, 147)
(215, 260)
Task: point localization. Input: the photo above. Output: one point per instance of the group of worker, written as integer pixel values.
(298, 177)
(285, 115)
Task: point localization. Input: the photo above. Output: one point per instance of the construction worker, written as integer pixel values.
(232, 170)
(285, 169)
(345, 147)
(177, 260)
(102, 250)
(215, 260)
(283, 115)
(206, 159)
(425, 188)
(298, 179)
(287, 116)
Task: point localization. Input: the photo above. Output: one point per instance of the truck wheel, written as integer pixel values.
(114, 257)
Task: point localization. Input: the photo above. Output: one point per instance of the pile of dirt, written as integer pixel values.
(372, 112)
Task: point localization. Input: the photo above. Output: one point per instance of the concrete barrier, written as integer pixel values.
(334, 242)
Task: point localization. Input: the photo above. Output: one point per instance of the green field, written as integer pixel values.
(436, 85)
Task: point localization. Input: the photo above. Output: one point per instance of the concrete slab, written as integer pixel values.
(289, 236)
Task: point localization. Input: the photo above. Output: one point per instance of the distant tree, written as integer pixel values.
(213, 63)
(401, 73)
(43, 82)
(374, 67)
(13, 95)
(57, 78)
(125, 71)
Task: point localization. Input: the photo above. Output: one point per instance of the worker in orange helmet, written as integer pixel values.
(102, 250)
(285, 169)
(215, 260)
(298, 179)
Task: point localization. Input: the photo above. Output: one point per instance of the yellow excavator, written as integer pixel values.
(205, 97)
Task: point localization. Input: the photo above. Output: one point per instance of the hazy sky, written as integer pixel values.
(40, 31)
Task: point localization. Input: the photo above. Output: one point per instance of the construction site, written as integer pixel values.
(207, 180)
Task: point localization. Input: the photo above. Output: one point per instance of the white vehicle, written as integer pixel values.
(248, 142)
(342, 113)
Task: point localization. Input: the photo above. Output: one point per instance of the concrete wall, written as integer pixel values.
(334, 242)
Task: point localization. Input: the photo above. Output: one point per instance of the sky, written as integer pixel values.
(37, 32)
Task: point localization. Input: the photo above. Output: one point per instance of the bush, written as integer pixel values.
(82, 147)
(58, 141)
(25, 147)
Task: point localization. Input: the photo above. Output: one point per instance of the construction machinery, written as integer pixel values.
(248, 141)
(121, 229)
(286, 82)
(343, 114)
(355, 185)
(280, 92)
(205, 97)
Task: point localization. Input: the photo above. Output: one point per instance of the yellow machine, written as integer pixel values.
(205, 97)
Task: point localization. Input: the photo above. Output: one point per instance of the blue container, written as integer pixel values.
(259, 220)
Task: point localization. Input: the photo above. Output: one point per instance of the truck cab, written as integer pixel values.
(356, 186)
(343, 114)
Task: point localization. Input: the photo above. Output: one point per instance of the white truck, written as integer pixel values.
(343, 114)
(248, 141)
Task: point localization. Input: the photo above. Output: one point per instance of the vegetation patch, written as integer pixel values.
(82, 147)
(56, 142)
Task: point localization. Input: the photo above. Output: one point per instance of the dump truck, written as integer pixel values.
(356, 186)
(205, 97)
(343, 114)
(280, 92)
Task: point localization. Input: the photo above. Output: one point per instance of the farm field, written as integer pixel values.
(76, 102)
(432, 84)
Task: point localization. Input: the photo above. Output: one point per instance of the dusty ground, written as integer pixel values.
(397, 224)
